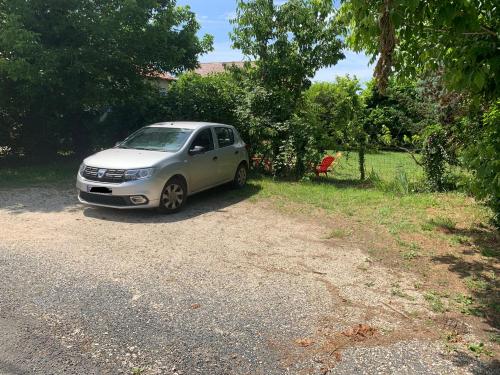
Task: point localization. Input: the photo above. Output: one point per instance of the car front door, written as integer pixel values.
(228, 153)
(202, 165)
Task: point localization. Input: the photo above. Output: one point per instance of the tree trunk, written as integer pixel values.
(362, 162)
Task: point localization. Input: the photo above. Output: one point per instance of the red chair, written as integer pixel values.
(325, 165)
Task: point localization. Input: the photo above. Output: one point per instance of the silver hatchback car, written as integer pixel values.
(160, 165)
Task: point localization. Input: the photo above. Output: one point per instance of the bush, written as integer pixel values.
(483, 159)
(434, 157)
(212, 98)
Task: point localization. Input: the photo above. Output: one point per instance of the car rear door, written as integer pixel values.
(228, 153)
(203, 170)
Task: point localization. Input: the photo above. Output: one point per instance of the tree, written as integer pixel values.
(65, 62)
(289, 43)
(410, 37)
(338, 105)
(340, 108)
(212, 98)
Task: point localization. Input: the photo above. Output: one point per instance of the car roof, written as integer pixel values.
(185, 124)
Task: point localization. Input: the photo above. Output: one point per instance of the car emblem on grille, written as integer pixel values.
(101, 173)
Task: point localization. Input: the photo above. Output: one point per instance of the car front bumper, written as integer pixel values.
(120, 194)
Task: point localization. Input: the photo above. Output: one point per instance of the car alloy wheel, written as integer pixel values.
(173, 196)
(240, 178)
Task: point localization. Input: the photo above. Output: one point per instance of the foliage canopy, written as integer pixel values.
(64, 62)
(461, 38)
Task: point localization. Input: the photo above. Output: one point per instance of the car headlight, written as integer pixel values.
(82, 169)
(138, 174)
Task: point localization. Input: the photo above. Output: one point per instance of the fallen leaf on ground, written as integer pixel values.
(304, 342)
(359, 332)
(195, 306)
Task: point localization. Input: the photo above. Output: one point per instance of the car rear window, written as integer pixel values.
(225, 136)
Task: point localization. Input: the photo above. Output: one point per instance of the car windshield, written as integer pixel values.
(157, 139)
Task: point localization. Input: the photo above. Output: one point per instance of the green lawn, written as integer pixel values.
(385, 164)
(370, 205)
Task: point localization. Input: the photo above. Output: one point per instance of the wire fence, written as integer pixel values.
(383, 165)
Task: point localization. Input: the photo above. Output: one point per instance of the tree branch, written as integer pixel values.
(412, 154)
(486, 31)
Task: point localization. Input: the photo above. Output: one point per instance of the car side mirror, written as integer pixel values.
(196, 150)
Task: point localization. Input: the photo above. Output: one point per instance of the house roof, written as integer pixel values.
(206, 69)
(164, 76)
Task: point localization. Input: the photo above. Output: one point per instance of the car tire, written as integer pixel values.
(240, 178)
(173, 196)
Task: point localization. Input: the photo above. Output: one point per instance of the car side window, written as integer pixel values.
(204, 139)
(225, 136)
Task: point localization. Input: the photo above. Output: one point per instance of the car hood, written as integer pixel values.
(120, 158)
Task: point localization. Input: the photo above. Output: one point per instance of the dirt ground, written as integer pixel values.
(228, 286)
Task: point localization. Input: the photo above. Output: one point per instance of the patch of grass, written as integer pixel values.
(459, 240)
(495, 307)
(427, 226)
(410, 255)
(412, 249)
(494, 337)
(479, 349)
(137, 371)
(337, 233)
(400, 226)
(396, 291)
(468, 306)
(490, 252)
(435, 302)
(476, 283)
(439, 222)
(31, 175)
(451, 340)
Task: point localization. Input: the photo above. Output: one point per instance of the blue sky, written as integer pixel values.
(214, 16)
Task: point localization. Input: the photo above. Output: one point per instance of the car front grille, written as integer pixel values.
(109, 200)
(110, 175)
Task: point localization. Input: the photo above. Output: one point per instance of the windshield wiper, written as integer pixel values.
(142, 148)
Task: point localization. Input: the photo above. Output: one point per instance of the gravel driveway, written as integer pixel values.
(228, 286)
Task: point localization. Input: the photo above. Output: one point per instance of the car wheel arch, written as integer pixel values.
(180, 176)
(242, 162)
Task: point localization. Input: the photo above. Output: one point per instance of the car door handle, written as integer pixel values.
(214, 158)
(236, 152)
